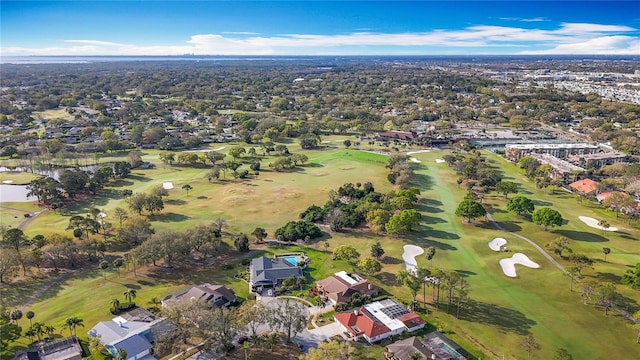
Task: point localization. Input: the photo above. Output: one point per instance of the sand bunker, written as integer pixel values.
(440, 161)
(7, 181)
(409, 256)
(415, 160)
(417, 152)
(594, 223)
(509, 265)
(167, 185)
(204, 150)
(496, 244)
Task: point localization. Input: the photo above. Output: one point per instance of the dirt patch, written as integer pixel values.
(346, 167)
(320, 173)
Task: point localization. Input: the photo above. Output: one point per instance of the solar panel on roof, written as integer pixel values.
(394, 311)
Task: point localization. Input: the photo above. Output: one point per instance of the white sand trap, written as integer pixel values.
(168, 185)
(409, 256)
(417, 152)
(509, 265)
(440, 161)
(102, 215)
(204, 150)
(7, 181)
(415, 160)
(594, 223)
(496, 244)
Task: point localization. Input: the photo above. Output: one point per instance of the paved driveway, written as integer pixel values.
(311, 338)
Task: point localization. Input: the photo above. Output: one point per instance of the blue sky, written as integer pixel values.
(318, 28)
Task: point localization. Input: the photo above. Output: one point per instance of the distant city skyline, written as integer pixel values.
(75, 28)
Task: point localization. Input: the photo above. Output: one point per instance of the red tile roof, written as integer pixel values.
(370, 327)
(584, 186)
(411, 320)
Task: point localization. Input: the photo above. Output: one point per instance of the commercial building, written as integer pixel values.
(514, 152)
(561, 170)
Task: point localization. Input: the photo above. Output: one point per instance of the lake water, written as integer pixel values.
(18, 193)
(14, 193)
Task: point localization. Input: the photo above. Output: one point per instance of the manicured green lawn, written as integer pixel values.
(269, 200)
(537, 301)
(502, 309)
(17, 178)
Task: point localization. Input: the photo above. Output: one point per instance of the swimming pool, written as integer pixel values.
(293, 260)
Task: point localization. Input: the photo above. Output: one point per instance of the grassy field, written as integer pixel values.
(502, 311)
(12, 214)
(17, 178)
(268, 200)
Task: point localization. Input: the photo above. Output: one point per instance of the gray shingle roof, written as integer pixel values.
(268, 271)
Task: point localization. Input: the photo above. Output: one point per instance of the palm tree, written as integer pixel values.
(104, 265)
(30, 334)
(606, 251)
(48, 329)
(38, 329)
(155, 303)
(71, 324)
(16, 315)
(187, 187)
(130, 294)
(604, 225)
(431, 252)
(30, 314)
(115, 304)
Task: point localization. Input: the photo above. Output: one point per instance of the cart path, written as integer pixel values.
(621, 311)
(44, 288)
(30, 218)
(541, 250)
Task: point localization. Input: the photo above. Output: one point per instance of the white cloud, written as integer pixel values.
(94, 42)
(535, 19)
(239, 33)
(578, 38)
(606, 45)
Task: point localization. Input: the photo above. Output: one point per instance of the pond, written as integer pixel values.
(14, 193)
(18, 193)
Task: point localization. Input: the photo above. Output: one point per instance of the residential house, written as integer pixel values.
(61, 349)
(215, 295)
(134, 332)
(267, 273)
(379, 320)
(584, 186)
(434, 346)
(340, 287)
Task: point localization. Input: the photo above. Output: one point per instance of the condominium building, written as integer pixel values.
(514, 152)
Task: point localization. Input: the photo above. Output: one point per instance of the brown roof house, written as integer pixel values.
(215, 295)
(341, 286)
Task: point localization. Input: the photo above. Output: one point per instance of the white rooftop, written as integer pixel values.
(344, 276)
(552, 146)
(375, 309)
